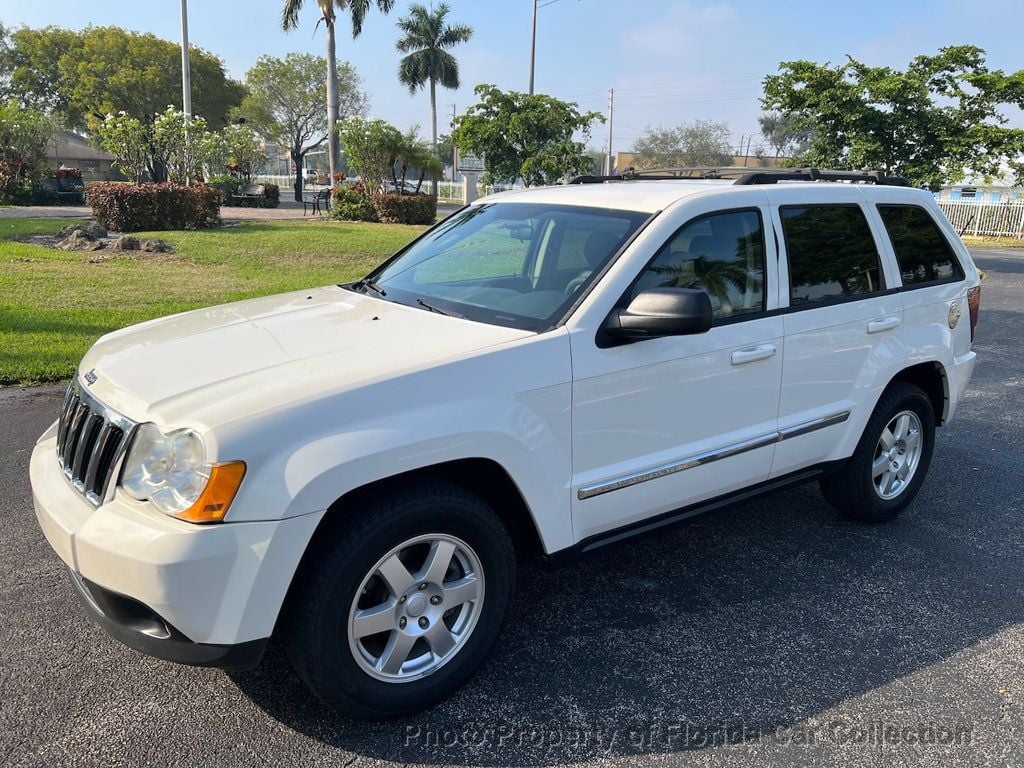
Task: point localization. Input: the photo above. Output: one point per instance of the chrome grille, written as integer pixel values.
(91, 440)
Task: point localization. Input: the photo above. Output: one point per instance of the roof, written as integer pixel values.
(653, 190)
(70, 146)
(646, 196)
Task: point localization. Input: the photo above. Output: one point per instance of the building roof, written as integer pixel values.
(68, 147)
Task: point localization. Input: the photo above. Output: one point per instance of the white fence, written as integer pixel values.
(448, 192)
(985, 219)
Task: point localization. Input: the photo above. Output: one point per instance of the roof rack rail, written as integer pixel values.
(744, 176)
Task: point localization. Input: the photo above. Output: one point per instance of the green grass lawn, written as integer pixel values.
(54, 305)
(992, 242)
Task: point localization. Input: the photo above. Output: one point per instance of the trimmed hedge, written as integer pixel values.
(133, 207)
(272, 195)
(406, 209)
(350, 204)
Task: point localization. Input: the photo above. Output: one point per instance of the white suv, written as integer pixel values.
(355, 468)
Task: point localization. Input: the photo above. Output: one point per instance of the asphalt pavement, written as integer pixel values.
(774, 633)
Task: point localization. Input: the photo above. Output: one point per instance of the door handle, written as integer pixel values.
(741, 356)
(885, 324)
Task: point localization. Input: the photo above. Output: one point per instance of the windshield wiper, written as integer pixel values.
(434, 308)
(367, 283)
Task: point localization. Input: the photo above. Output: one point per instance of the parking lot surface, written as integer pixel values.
(773, 633)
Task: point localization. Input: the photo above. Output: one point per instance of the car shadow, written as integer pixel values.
(733, 626)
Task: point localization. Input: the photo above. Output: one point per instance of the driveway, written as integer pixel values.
(775, 633)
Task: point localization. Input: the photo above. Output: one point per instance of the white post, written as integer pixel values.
(186, 75)
(533, 45)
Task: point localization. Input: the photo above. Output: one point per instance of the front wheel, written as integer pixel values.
(401, 601)
(890, 462)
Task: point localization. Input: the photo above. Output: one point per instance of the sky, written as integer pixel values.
(669, 61)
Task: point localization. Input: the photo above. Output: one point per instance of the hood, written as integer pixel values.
(208, 365)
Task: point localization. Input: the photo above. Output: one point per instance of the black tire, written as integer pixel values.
(314, 626)
(851, 489)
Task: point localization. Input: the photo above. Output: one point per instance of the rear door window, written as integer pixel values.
(922, 251)
(832, 253)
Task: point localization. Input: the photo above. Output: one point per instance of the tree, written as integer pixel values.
(5, 64)
(84, 75)
(372, 148)
(129, 141)
(445, 149)
(25, 136)
(244, 151)
(525, 136)
(785, 135)
(425, 40)
(357, 11)
(415, 156)
(595, 162)
(700, 143)
(185, 147)
(285, 103)
(182, 151)
(934, 122)
(30, 60)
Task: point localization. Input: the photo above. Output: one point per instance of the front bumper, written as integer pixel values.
(215, 590)
(138, 627)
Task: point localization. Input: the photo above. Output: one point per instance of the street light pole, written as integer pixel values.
(611, 120)
(533, 44)
(186, 75)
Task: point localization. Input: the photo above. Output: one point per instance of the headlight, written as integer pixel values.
(172, 473)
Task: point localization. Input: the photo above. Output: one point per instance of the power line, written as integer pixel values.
(683, 86)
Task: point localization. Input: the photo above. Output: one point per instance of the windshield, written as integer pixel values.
(514, 264)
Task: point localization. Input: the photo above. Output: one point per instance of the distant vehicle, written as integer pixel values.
(355, 468)
(408, 188)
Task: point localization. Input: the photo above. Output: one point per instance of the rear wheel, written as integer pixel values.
(890, 462)
(400, 602)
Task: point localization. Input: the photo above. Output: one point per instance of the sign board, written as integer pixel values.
(469, 163)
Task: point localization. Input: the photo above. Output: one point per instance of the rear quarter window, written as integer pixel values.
(832, 253)
(923, 253)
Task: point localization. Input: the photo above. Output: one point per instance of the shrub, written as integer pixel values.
(405, 209)
(351, 204)
(272, 195)
(25, 135)
(132, 207)
(227, 183)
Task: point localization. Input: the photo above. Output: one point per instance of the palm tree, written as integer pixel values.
(358, 10)
(425, 39)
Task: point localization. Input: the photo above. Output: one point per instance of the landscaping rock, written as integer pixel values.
(154, 246)
(78, 240)
(126, 243)
(93, 230)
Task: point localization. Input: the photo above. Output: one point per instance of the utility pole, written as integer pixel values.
(533, 45)
(453, 143)
(611, 118)
(186, 74)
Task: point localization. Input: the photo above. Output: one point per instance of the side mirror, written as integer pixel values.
(661, 312)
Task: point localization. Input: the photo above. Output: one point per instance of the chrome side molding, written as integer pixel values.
(589, 491)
